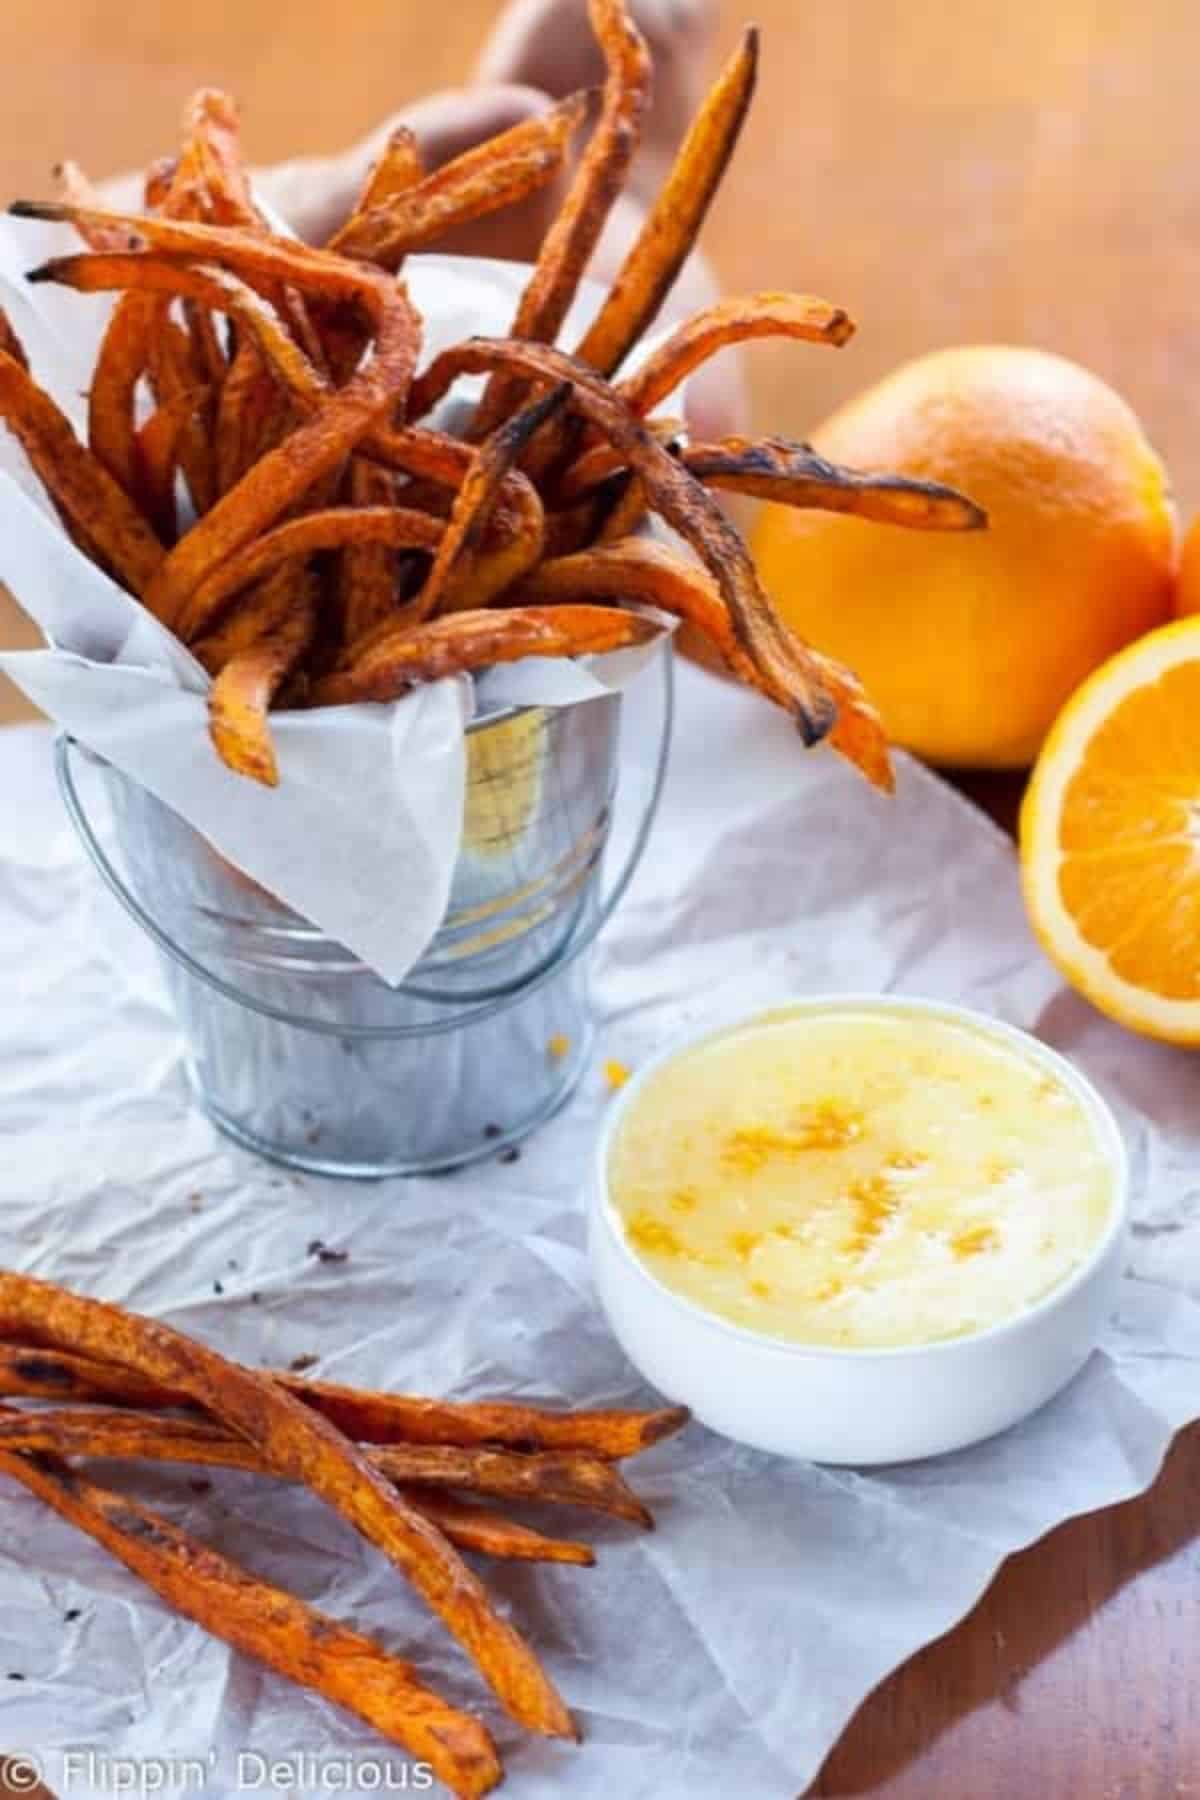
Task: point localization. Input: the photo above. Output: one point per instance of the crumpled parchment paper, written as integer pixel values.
(724, 1653)
(363, 832)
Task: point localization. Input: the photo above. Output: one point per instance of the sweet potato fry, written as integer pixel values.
(784, 664)
(552, 1477)
(120, 365)
(174, 374)
(300, 1445)
(478, 493)
(157, 185)
(211, 162)
(157, 449)
(466, 641)
(499, 173)
(368, 589)
(781, 470)
(640, 569)
(37, 1373)
(83, 490)
(400, 167)
(597, 183)
(673, 223)
(731, 322)
(331, 528)
(80, 191)
(270, 1625)
(10, 343)
(253, 616)
(215, 288)
(488, 1533)
(599, 462)
(242, 694)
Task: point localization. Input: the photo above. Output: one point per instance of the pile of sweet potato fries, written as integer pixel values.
(393, 1465)
(273, 491)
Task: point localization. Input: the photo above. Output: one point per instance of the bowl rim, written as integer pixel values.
(1100, 1115)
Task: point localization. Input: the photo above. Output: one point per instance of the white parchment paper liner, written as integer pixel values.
(363, 832)
(725, 1653)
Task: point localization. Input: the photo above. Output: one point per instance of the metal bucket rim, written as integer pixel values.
(578, 941)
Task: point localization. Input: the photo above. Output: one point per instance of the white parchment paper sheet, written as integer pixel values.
(725, 1653)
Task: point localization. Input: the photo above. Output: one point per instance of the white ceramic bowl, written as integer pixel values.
(859, 1406)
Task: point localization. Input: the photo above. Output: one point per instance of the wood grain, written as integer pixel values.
(987, 171)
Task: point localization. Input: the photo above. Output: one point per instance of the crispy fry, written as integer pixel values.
(10, 343)
(640, 569)
(478, 1528)
(120, 365)
(174, 375)
(242, 693)
(466, 641)
(215, 288)
(513, 540)
(157, 186)
(300, 1445)
(778, 469)
(80, 191)
(157, 450)
(731, 322)
(600, 462)
(597, 183)
(377, 1418)
(368, 592)
(673, 223)
(329, 529)
(270, 1625)
(400, 167)
(80, 486)
(211, 163)
(782, 661)
(553, 1477)
(477, 495)
(253, 616)
(484, 179)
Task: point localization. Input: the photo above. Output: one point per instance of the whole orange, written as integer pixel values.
(969, 643)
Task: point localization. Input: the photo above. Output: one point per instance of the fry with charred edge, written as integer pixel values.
(400, 167)
(731, 321)
(217, 289)
(550, 1477)
(600, 462)
(330, 529)
(270, 1625)
(10, 343)
(300, 1445)
(571, 239)
(241, 695)
(498, 173)
(640, 569)
(782, 660)
(367, 573)
(253, 616)
(37, 1373)
(492, 462)
(513, 540)
(795, 475)
(80, 487)
(489, 1533)
(80, 191)
(673, 223)
(465, 641)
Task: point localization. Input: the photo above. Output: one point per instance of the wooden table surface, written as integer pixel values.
(999, 169)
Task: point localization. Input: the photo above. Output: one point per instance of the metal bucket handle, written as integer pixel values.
(583, 939)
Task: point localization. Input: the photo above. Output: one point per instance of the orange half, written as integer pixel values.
(1110, 837)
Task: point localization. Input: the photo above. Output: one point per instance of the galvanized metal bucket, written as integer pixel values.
(298, 1050)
